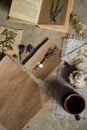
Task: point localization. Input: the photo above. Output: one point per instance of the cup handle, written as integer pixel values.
(77, 117)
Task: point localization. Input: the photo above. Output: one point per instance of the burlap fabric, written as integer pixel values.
(63, 86)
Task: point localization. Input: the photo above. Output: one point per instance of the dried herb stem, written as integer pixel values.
(55, 10)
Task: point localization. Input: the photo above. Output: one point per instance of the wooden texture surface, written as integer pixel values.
(48, 65)
(20, 96)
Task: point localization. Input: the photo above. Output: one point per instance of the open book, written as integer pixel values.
(53, 14)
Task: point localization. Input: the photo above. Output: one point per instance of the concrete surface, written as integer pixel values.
(44, 120)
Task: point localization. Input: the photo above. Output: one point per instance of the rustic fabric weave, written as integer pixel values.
(69, 45)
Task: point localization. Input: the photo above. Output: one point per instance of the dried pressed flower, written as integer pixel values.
(7, 39)
(78, 25)
(55, 10)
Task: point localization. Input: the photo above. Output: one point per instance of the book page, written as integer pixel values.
(79, 57)
(26, 10)
(53, 12)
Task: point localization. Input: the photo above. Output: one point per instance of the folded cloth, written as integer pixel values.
(63, 86)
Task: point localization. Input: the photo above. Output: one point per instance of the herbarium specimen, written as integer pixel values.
(7, 39)
(50, 52)
(79, 58)
(55, 10)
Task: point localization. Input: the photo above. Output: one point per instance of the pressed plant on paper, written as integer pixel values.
(55, 10)
(7, 39)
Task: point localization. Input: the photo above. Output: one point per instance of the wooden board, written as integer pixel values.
(49, 64)
(20, 96)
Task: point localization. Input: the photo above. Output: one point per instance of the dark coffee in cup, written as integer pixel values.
(74, 103)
